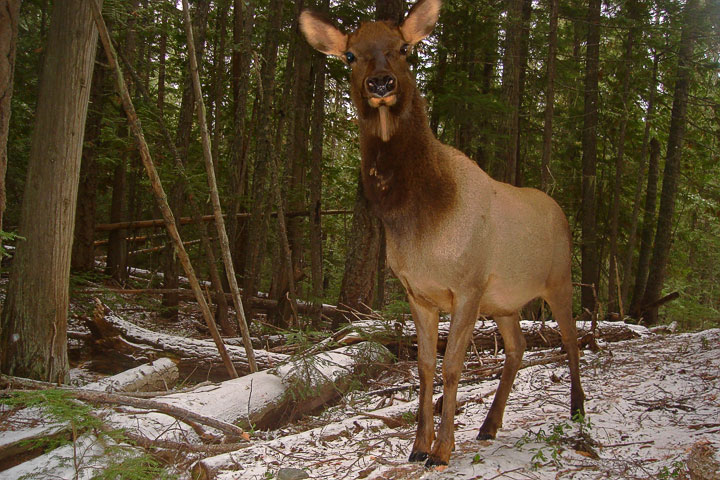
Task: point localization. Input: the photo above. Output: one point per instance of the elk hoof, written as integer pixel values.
(416, 457)
(434, 462)
(485, 436)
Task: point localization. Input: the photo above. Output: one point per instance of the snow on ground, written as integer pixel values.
(649, 401)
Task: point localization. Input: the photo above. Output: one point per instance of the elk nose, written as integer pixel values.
(381, 85)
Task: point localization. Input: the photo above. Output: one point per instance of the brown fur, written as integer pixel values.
(458, 240)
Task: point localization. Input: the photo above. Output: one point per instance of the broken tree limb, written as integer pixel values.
(214, 196)
(157, 187)
(115, 335)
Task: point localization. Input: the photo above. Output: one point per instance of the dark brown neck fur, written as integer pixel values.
(406, 181)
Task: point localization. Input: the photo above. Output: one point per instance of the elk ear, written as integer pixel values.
(322, 34)
(420, 21)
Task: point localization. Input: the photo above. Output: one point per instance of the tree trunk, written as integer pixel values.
(524, 47)
(316, 160)
(589, 243)
(116, 265)
(171, 269)
(643, 173)
(673, 156)
(545, 171)
(511, 86)
(295, 170)
(243, 19)
(614, 295)
(261, 197)
(116, 262)
(33, 336)
(648, 230)
(83, 252)
(363, 247)
(9, 12)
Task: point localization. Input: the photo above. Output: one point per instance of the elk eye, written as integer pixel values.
(404, 49)
(350, 57)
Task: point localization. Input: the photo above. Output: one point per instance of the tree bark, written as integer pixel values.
(33, 326)
(9, 12)
(589, 243)
(673, 157)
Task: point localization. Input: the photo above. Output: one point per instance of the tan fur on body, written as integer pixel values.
(458, 240)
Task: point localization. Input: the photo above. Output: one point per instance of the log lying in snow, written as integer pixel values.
(263, 399)
(272, 397)
(486, 335)
(134, 345)
(162, 374)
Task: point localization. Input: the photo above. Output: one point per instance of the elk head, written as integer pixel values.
(381, 84)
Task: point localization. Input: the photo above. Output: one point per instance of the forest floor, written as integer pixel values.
(653, 411)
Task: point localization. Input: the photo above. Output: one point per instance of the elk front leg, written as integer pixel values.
(514, 342)
(426, 325)
(461, 328)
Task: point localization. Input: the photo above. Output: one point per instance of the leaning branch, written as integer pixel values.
(214, 196)
(157, 187)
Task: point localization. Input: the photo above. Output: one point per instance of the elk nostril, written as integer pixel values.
(381, 86)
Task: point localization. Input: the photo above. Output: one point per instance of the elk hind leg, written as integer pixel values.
(561, 305)
(514, 345)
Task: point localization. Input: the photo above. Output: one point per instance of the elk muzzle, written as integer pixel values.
(381, 90)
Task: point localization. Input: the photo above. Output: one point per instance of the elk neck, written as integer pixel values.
(405, 179)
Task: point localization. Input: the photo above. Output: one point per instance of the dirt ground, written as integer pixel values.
(653, 411)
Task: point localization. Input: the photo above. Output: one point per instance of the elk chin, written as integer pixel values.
(387, 123)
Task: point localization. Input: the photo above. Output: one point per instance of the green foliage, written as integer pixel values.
(139, 467)
(678, 469)
(6, 237)
(554, 442)
(459, 69)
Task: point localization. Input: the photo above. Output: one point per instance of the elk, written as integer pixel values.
(458, 240)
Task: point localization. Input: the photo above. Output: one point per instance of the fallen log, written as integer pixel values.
(138, 224)
(162, 374)
(271, 398)
(538, 335)
(256, 303)
(128, 344)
